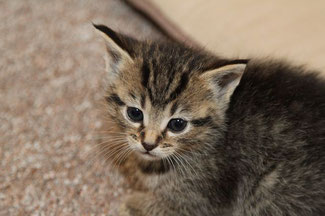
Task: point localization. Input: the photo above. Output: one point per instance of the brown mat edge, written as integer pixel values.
(151, 12)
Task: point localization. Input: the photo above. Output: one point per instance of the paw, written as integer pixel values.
(133, 205)
(124, 211)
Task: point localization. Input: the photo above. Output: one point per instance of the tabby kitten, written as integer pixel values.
(202, 135)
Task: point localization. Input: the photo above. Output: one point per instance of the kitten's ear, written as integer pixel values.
(119, 48)
(225, 79)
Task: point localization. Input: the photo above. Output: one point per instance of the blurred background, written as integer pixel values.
(51, 72)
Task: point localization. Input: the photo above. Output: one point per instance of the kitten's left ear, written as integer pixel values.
(224, 80)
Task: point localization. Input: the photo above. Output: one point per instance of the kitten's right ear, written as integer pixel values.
(119, 48)
(224, 80)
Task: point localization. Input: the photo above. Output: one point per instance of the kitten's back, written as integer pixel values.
(276, 123)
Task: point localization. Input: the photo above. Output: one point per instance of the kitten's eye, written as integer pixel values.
(177, 125)
(134, 114)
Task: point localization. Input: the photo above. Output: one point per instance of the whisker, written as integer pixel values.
(111, 140)
(106, 150)
(179, 164)
(108, 143)
(171, 162)
(113, 151)
(118, 155)
(127, 153)
(187, 160)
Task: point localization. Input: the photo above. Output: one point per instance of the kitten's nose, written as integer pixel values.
(149, 146)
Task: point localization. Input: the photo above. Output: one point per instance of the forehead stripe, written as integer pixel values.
(173, 108)
(145, 74)
(132, 95)
(143, 101)
(180, 88)
(201, 121)
(115, 99)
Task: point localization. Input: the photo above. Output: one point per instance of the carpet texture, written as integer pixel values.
(51, 72)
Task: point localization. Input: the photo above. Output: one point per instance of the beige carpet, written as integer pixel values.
(289, 29)
(51, 71)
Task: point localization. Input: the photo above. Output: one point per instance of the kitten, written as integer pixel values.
(202, 135)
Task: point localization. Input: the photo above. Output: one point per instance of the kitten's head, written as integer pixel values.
(166, 99)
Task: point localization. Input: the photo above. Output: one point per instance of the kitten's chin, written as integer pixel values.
(148, 156)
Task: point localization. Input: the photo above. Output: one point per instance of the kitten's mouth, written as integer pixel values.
(148, 155)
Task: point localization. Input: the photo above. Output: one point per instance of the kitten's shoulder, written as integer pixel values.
(279, 71)
(279, 89)
(283, 79)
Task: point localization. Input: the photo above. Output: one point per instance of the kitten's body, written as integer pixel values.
(258, 149)
(276, 131)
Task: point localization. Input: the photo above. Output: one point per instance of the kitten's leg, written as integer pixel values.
(134, 205)
(144, 204)
(126, 209)
(130, 170)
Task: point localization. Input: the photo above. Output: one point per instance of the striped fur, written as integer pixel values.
(253, 143)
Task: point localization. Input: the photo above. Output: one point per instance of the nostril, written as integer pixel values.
(148, 146)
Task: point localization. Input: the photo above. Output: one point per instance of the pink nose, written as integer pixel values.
(149, 146)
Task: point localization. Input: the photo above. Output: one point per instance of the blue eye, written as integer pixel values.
(177, 125)
(134, 114)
